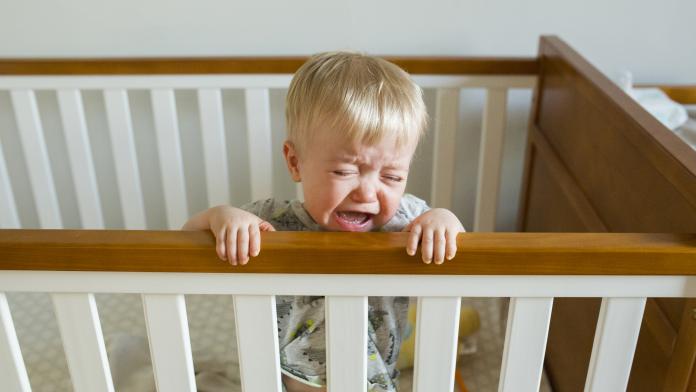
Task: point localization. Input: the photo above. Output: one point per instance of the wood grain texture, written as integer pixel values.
(679, 371)
(256, 65)
(595, 155)
(351, 253)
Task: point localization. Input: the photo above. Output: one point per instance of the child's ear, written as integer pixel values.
(292, 160)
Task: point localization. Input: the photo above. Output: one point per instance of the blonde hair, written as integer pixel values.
(363, 98)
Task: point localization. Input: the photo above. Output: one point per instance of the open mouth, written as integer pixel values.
(353, 220)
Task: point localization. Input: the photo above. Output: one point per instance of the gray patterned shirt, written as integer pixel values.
(301, 318)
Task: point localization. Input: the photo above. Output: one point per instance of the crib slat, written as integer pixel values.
(81, 163)
(346, 343)
(257, 342)
(525, 344)
(258, 116)
(214, 147)
(36, 158)
(170, 345)
(169, 149)
(446, 122)
(126, 162)
(490, 159)
(8, 209)
(83, 342)
(437, 326)
(614, 344)
(12, 371)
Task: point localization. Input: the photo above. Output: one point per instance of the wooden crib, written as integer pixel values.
(532, 269)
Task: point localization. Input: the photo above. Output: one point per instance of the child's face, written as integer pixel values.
(350, 186)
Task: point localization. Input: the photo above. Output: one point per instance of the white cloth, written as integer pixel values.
(656, 102)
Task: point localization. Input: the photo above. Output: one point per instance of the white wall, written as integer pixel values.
(655, 40)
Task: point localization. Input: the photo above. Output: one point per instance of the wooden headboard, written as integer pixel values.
(596, 161)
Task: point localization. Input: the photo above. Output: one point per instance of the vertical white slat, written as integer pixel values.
(171, 162)
(80, 329)
(446, 122)
(170, 345)
(257, 342)
(490, 159)
(80, 156)
(437, 326)
(258, 114)
(214, 146)
(346, 343)
(8, 209)
(525, 344)
(12, 371)
(614, 344)
(125, 159)
(36, 158)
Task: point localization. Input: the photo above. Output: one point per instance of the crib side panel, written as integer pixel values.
(598, 162)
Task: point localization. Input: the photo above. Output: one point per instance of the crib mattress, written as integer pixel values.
(211, 324)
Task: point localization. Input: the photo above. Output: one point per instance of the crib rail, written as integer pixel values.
(209, 78)
(253, 65)
(530, 268)
(351, 253)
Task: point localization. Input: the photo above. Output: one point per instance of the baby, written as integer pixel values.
(353, 122)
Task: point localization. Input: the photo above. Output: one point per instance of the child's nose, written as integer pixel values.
(365, 192)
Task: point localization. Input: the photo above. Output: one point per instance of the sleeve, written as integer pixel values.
(261, 208)
(413, 206)
(410, 208)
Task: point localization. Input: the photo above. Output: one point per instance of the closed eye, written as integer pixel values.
(393, 178)
(342, 173)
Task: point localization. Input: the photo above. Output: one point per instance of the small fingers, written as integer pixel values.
(265, 226)
(412, 242)
(220, 244)
(254, 240)
(451, 244)
(427, 245)
(243, 245)
(408, 227)
(439, 246)
(231, 245)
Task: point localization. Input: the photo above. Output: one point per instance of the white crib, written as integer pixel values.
(531, 269)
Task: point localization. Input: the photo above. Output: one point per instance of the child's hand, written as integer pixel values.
(237, 232)
(438, 228)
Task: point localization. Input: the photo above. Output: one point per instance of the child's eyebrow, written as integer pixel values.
(344, 159)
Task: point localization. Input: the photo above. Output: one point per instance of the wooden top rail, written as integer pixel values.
(683, 94)
(351, 253)
(255, 65)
